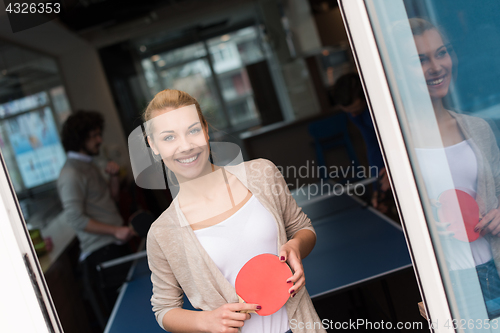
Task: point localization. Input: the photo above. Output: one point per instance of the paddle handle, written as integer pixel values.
(244, 311)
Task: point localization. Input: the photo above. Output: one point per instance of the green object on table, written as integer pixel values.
(38, 242)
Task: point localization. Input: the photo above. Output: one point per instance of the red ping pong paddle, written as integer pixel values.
(262, 280)
(456, 207)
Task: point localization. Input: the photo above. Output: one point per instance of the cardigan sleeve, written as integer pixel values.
(167, 293)
(493, 157)
(293, 216)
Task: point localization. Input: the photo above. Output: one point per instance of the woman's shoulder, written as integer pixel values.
(168, 219)
(259, 165)
(470, 120)
(262, 170)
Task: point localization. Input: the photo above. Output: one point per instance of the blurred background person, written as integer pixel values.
(89, 202)
(348, 94)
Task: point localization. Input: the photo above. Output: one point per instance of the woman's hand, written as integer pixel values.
(290, 253)
(490, 223)
(227, 317)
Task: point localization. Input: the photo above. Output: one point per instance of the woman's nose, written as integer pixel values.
(434, 66)
(184, 144)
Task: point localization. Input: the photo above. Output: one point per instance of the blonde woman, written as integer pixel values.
(218, 221)
(474, 163)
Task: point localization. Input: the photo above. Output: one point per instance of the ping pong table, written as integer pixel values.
(355, 244)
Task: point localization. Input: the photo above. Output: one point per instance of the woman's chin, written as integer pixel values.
(189, 173)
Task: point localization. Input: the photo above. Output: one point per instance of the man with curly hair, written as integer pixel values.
(89, 202)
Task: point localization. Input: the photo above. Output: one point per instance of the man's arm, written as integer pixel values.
(71, 187)
(123, 233)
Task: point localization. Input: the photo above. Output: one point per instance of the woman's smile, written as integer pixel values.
(437, 82)
(188, 160)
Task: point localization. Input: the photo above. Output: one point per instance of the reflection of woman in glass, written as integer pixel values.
(474, 162)
(228, 223)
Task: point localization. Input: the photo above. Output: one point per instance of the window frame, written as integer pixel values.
(360, 31)
(20, 261)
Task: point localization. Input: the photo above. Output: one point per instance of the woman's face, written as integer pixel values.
(180, 139)
(435, 62)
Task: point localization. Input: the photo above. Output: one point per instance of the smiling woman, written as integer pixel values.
(472, 154)
(435, 59)
(221, 217)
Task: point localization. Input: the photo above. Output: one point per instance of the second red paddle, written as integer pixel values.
(462, 212)
(262, 281)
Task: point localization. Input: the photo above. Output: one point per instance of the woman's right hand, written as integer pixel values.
(227, 318)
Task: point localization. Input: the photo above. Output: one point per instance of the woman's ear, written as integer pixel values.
(152, 145)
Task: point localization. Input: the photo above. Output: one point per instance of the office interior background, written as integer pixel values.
(262, 71)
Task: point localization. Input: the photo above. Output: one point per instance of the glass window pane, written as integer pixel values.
(32, 105)
(235, 49)
(230, 54)
(61, 103)
(195, 78)
(174, 57)
(37, 149)
(442, 60)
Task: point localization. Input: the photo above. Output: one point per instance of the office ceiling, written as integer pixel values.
(80, 15)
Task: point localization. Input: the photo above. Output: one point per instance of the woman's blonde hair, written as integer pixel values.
(170, 98)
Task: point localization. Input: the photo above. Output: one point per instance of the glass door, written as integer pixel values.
(429, 69)
(22, 285)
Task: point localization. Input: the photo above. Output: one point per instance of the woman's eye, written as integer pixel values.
(168, 138)
(442, 53)
(422, 60)
(195, 130)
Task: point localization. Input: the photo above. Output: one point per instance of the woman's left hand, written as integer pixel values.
(490, 223)
(290, 253)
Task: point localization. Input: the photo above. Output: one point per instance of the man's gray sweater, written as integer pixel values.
(84, 194)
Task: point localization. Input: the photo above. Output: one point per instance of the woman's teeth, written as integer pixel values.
(189, 160)
(435, 82)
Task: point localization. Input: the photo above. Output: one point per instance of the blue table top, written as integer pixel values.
(354, 244)
(133, 312)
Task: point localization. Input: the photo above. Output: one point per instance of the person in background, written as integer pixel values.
(348, 94)
(89, 202)
(472, 156)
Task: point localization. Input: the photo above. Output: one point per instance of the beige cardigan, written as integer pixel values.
(179, 263)
(484, 145)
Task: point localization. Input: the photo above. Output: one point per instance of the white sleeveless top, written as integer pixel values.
(463, 168)
(231, 243)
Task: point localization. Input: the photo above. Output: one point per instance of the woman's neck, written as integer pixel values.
(441, 113)
(205, 186)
